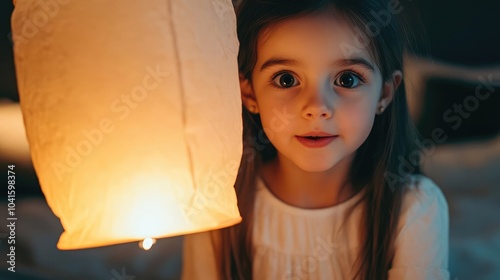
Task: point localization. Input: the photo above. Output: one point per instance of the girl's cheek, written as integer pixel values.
(358, 105)
(357, 115)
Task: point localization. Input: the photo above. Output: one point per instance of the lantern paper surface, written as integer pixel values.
(133, 115)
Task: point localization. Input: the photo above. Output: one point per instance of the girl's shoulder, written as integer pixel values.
(421, 244)
(422, 201)
(422, 191)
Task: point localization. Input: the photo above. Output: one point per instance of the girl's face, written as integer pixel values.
(308, 81)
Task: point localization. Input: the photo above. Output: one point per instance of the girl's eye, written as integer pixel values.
(285, 80)
(348, 80)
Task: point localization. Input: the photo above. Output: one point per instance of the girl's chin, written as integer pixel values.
(315, 166)
(318, 163)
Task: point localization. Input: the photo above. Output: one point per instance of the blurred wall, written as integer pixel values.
(458, 31)
(8, 88)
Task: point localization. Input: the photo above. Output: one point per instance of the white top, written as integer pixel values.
(296, 243)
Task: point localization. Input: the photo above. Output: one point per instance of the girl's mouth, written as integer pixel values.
(316, 141)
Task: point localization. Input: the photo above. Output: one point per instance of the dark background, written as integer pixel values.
(465, 33)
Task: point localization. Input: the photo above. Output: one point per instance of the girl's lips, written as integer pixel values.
(316, 133)
(316, 142)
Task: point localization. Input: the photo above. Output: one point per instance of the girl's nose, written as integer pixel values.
(318, 104)
(318, 113)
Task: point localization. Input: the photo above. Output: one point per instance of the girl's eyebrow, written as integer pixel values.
(355, 61)
(340, 63)
(278, 61)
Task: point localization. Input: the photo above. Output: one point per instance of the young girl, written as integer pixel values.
(325, 185)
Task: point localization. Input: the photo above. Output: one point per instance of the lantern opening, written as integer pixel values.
(147, 243)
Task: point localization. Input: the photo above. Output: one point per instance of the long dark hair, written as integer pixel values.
(377, 163)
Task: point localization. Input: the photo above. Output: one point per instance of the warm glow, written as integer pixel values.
(147, 243)
(133, 116)
(13, 143)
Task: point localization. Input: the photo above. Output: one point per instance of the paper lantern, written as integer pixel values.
(133, 115)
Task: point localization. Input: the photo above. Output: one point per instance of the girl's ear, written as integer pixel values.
(248, 96)
(389, 89)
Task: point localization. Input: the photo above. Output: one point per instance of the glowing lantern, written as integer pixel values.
(132, 113)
